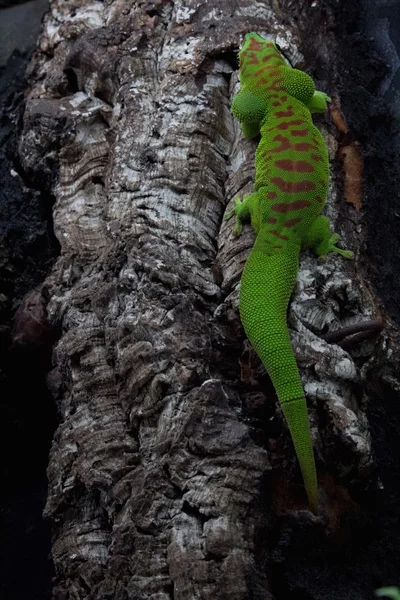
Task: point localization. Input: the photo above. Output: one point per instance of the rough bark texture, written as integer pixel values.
(169, 466)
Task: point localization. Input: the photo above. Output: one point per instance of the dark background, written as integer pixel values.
(304, 564)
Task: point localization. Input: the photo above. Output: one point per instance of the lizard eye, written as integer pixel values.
(278, 47)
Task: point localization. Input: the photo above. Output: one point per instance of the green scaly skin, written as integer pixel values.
(292, 174)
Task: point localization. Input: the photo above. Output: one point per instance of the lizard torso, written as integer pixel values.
(292, 174)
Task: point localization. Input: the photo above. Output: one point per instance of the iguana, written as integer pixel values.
(291, 183)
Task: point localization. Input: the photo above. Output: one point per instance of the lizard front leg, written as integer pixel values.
(245, 210)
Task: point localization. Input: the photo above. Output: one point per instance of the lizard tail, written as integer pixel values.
(266, 286)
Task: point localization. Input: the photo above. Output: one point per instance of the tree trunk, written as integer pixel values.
(171, 469)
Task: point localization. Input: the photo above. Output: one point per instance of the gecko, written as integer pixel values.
(276, 101)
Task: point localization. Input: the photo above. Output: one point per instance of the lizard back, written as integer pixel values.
(292, 172)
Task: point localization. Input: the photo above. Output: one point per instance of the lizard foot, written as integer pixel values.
(236, 210)
(332, 248)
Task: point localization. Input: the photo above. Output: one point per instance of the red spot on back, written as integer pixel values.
(297, 166)
(285, 144)
(319, 199)
(299, 132)
(292, 222)
(278, 235)
(292, 187)
(285, 113)
(276, 103)
(302, 146)
(285, 207)
(316, 157)
(271, 195)
(277, 246)
(271, 220)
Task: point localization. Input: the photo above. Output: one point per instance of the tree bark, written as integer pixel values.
(171, 461)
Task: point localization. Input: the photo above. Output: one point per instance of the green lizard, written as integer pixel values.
(292, 174)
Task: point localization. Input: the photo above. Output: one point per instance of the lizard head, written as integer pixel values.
(258, 58)
(266, 80)
(264, 71)
(256, 53)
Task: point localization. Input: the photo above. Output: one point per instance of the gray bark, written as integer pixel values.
(163, 473)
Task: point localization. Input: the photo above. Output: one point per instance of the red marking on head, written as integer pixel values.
(293, 187)
(271, 195)
(285, 207)
(316, 157)
(268, 57)
(297, 166)
(287, 124)
(267, 68)
(271, 220)
(292, 222)
(299, 132)
(278, 235)
(250, 57)
(255, 45)
(276, 87)
(271, 69)
(285, 113)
